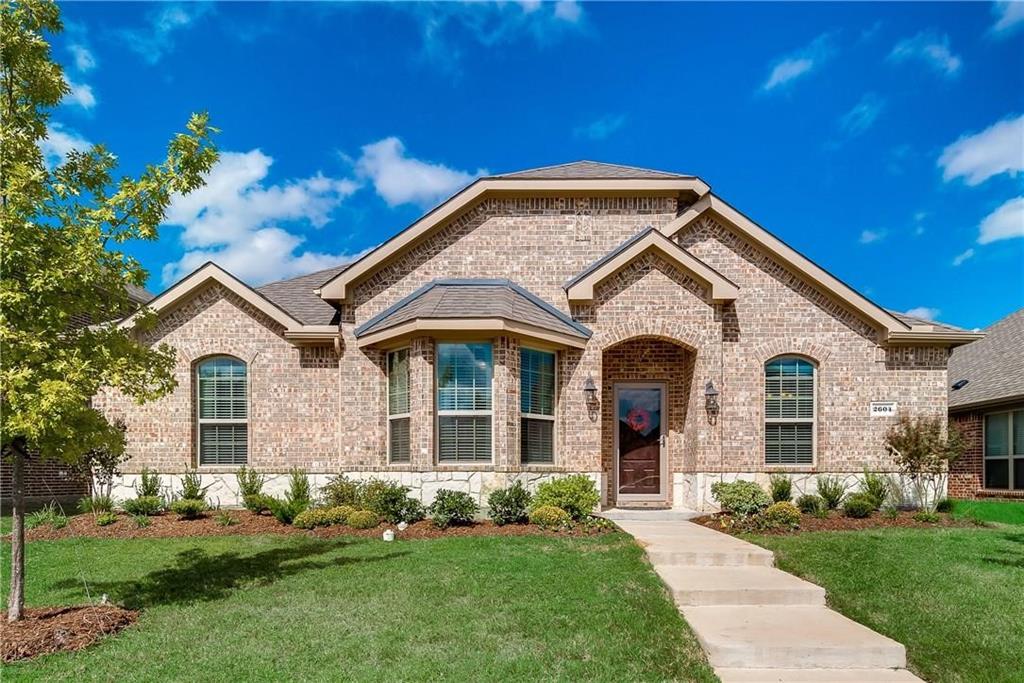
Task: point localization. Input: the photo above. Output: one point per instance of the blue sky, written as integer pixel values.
(885, 141)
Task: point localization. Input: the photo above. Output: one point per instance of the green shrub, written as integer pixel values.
(225, 519)
(390, 501)
(831, 490)
(106, 518)
(876, 486)
(96, 504)
(809, 503)
(944, 505)
(341, 490)
(782, 488)
(141, 521)
(780, 515)
(250, 482)
(363, 519)
(314, 517)
(192, 486)
(286, 510)
(189, 508)
(890, 511)
(148, 484)
(927, 517)
(509, 505)
(452, 507)
(143, 505)
(49, 515)
(741, 498)
(859, 505)
(550, 517)
(298, 488)
(576, 494)
(257, 503)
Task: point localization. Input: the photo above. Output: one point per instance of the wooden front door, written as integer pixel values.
(639, 440)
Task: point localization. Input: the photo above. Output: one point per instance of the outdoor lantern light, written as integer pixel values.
(711, 401)
(590, 391)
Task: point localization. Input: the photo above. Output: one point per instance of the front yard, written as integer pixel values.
(953, 596)
(300, 608)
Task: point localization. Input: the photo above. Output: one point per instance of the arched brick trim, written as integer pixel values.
(639, 326)
(764, 352)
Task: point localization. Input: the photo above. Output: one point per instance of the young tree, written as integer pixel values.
(60, 233)
(923, 449)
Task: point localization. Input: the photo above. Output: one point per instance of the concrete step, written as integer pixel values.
(816, 676)
(796, 637)
(649, 515)
(702, 557)
(738, 586)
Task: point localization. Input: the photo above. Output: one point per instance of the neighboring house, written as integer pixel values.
(986, 400)
(584, 318)
(52, 480)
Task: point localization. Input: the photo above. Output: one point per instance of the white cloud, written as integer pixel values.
(863, 115)
(1009, 16)
(234, 218)
(1004, 223)
(84, 59)
(568, 10)
(400, 179)
(997, 149)
(58, 142)
(800, 63)
(156, 39)
(81, 95)
(931, 48)
(963, 256)
(601, 128)
(924, 312)
(871, 236)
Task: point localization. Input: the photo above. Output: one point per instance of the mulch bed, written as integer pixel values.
(60, 629)
(836, 521)
(248, 524)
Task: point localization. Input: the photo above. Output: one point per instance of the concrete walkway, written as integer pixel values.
(755, 622)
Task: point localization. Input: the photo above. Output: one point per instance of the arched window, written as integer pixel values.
(222, 409)
(790, 410)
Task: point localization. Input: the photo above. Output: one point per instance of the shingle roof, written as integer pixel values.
(296, 296)
(139, 294)
(590, 170)
(475, 299)
(993, 366)
(914, 320)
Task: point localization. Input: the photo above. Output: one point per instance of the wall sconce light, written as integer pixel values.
(711, 401)
(590, 396)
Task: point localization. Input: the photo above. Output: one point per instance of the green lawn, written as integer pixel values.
(999, 511)
(954, 597)
(297, 608)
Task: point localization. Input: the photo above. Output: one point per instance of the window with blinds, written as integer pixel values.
(222, 398)
(537, 406)
(464, 377)
(790, 412)
(398, 406)
(1004, 450)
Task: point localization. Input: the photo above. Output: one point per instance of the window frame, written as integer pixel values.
(1010, 456)
(200, 421)
(387, 401)
(813, 420)
(553, 417)
(438, 413)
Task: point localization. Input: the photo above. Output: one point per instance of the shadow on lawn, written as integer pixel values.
(1013, 557)
(199, 576)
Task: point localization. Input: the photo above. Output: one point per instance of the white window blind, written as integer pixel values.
(537, 406)
(464, 378)
(790, 412)
(398, 406)
(223, 411)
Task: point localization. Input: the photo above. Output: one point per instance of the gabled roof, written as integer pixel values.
(915, 321)
(589, 169)
(138, 295)
(485, 305)
(993, 366)
(298, 296)
(581, 287)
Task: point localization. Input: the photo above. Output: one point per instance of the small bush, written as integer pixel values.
(141, 521)
(927, 517)
(741, 498)
(189, 508)
(876, 486)
(944, 505)
(782, 488)
(452, 507)
(363, 519)
(509, 505)
(595, 523)
(312, 518)
(341, 490)
(890, 511)
(831, 490)
(257, 503)
(286, 510)
(809, 503)
(148, 484)
(192, 486)
(49, 515)
(96, 504)
(225, 519)
(780, 515)
(250, 482)
(575, 494)
(298, 488)
(390, 501)
(106, 518)
(143, 505)
(550, 517)
(859, 505)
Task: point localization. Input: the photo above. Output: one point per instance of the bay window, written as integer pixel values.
(464, 378)
(537, 406)
(398, 406)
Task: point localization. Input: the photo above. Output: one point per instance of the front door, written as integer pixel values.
(639, 441)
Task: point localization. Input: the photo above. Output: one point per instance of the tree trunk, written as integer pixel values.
(16, 599)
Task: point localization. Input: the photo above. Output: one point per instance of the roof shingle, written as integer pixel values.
(296, 296)
(993, 366)
(590, 170)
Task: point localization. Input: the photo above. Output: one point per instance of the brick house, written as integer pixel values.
(624, 323)
(986, 400)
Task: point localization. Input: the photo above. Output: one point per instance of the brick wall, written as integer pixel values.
(965, 476)
(45, 481)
